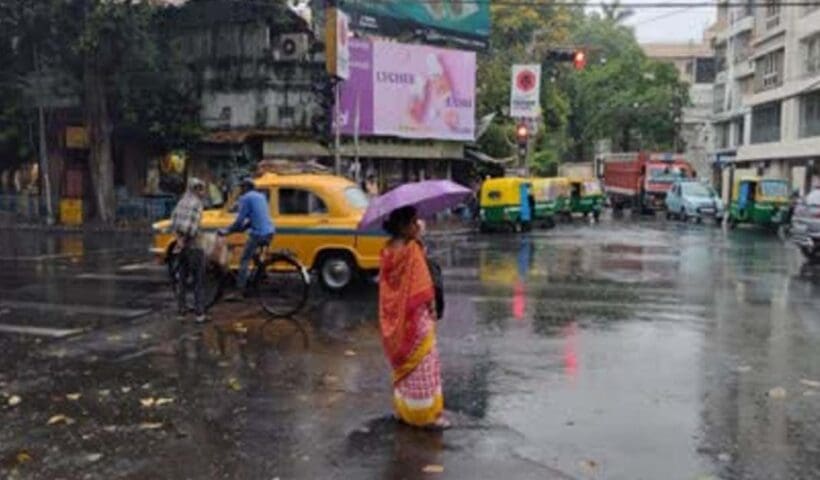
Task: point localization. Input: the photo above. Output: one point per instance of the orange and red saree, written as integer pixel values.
(406, 297)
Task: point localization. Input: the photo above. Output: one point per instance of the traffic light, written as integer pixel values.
(322, 121)
(579, 59)
(522, 136)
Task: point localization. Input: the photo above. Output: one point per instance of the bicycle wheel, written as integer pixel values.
(282, 286)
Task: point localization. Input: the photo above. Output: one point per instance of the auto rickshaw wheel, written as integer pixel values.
(596, 215)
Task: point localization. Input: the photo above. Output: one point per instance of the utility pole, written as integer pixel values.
(43, 153)
(337, 142)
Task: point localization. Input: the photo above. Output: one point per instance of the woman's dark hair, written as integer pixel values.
(399, 219)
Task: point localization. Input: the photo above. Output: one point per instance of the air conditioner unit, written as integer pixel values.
(291, 46)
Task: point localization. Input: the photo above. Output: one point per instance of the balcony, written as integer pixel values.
(745, 23)
(743, 69)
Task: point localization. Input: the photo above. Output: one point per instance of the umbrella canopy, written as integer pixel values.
(429, 197)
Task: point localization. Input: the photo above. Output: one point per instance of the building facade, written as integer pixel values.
(766, 113)
(696, 64)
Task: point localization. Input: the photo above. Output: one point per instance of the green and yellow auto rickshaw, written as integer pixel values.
(586, 197)
(561, 187)
(545, 193)
(506, 203)
(759, 201)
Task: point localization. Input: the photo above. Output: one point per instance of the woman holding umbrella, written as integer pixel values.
(407, 321)
(407, 306)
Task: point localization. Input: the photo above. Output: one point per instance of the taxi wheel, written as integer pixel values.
(336, 271)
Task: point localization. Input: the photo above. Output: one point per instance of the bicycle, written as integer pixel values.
(277, 278)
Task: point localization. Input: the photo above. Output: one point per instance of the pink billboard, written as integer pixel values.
(409, 91)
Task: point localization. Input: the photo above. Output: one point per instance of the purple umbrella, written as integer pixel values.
(429, 197)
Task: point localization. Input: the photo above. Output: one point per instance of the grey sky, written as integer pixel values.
(671, 24)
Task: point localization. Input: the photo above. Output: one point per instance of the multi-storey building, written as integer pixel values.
(696, 65)
(767, 92)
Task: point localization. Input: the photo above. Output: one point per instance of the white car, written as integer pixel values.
(690, 199)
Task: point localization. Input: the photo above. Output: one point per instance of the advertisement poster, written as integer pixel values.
(525, 91)
(409, 91)
(464, 23)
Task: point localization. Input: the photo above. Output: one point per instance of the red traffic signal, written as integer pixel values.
(579, 59)
(522, 133)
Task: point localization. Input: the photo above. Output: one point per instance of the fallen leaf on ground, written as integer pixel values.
(145, 336)
(93, 457)
(810, 383)
(22, 457)
(163, 401)
(147, 402)
(150, 425)
(433, 469)
(233, 384)
(350, 353)
(104, 393)
(114, 338)
(110, 428)
(146, 386)
(777, 392)
(125, 389)
(73, 396)
(724, 457)
(239, 327)
(5, 311)
(60, 418)
(809, 393)
(744, 369)
(14, 400)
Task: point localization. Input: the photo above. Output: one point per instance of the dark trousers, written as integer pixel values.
(192, 276)
(253, 243)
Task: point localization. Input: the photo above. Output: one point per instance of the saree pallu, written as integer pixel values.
(406, 298)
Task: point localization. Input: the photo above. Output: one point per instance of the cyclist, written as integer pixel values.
(185, 223)
(254, 216)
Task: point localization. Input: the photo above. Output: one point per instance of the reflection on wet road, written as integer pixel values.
(630, 349)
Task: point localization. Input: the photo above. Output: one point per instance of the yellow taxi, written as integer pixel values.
(316, 218)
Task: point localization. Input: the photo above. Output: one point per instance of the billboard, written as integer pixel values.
(409, 91)
(337, 41)
(525, 101)
(462, 22)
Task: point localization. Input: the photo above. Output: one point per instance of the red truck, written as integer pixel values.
(641, 179)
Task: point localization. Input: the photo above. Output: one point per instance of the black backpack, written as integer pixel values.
(438, 285)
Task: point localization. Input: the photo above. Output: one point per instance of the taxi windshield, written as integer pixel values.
(666, 175)
(774, 188)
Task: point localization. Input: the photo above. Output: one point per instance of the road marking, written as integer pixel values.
(39, 331)
(120, 278)
(140, 266)
(75, 309)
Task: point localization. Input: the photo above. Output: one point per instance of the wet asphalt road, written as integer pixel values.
(633, 349)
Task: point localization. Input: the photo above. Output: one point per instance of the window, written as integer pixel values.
(694, 189)
(294, 201)
(811, 49)
(774, 188)
(740, 125)
(772, 14)
(766, 123)
(769, 70)
(741, 48)
(718, 97)
(356, 198)
(810, 115)
(722, 134)
(705, 70)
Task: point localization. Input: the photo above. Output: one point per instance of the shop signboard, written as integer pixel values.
(459, 22)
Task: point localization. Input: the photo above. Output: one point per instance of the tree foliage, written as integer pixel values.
(621, 95)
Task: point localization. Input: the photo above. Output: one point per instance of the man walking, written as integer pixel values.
(254, 216)
(185, 224)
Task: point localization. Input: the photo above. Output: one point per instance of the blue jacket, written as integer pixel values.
(253, 213)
